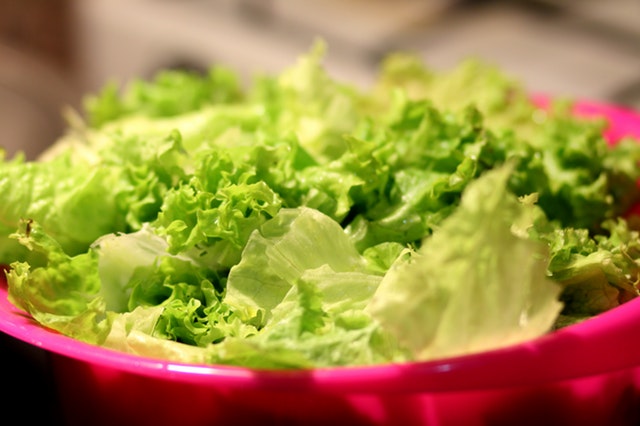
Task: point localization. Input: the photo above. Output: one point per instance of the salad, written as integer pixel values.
(301, 222)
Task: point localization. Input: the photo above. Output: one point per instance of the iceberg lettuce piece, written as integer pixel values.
(476, 284)
(280, 252)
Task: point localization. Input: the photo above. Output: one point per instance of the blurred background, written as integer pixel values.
(54, 51)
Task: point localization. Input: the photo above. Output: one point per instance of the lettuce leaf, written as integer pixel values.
(280, 253)
(63, 294)
(172, 92)
(304, 285)
(460, 293)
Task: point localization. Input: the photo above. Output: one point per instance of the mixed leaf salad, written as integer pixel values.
(299, 221)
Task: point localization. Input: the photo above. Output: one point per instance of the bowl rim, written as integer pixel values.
(576, 351)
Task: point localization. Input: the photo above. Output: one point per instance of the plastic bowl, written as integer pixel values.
(584, 374)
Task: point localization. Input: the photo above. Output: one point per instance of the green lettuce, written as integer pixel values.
(301, 222)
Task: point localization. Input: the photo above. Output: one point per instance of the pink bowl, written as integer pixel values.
(588, 373)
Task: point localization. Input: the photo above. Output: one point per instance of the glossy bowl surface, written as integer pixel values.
(588, 373)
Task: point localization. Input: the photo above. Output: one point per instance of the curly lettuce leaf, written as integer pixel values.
(170, 93)
(597, 273)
